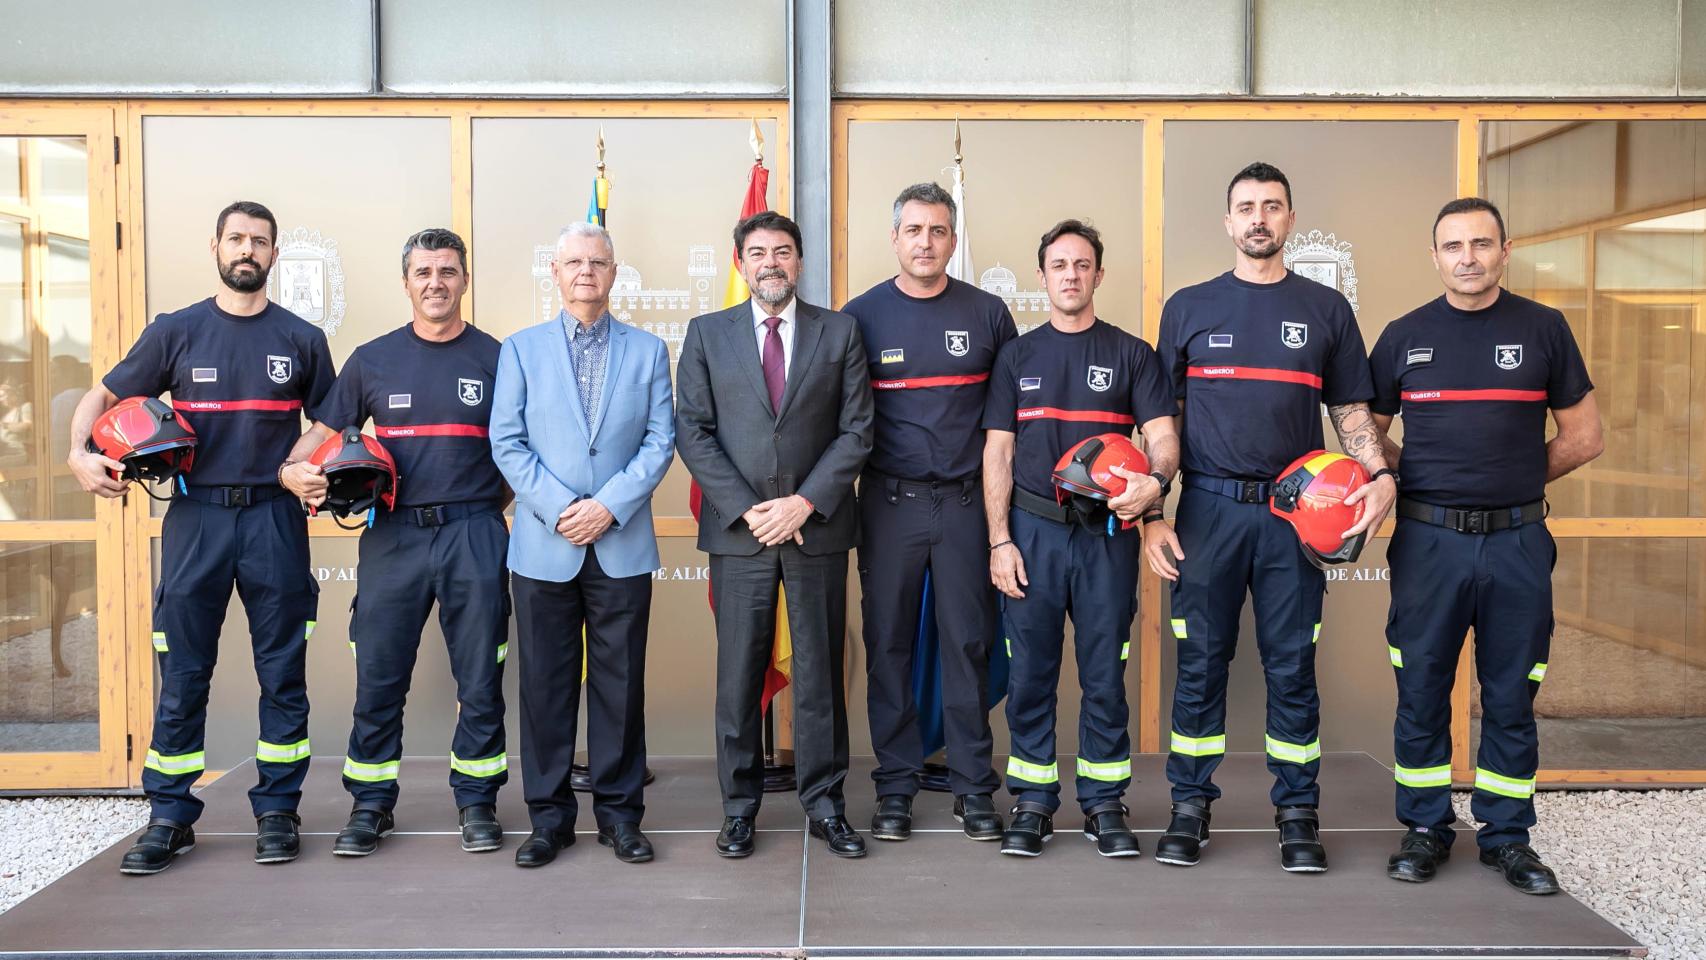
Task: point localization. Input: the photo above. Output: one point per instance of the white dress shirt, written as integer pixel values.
(785, 330)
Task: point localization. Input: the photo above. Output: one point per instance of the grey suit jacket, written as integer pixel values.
(742, 452)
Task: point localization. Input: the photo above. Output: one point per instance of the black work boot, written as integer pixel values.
(277, 839)
(893, 819)
(976, 812)
(1522, 868)
(1418, 858)
(1186, 834)
(1107, 827)
(1033, 825)
(481, 831)
(361, 835)
(160, 843)
(1300, 840)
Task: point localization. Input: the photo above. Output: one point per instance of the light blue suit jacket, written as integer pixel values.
(541, 443)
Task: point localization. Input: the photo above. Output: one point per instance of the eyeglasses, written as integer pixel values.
(598, 265)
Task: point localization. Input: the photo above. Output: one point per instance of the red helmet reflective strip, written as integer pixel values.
(1255, 373)
(919, 383)
(432, 430)
(1429, 396)
(1075, 416)
(221, 406)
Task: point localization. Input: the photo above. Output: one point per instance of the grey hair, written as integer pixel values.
(435, 238)
(928, 192)
(583, 228)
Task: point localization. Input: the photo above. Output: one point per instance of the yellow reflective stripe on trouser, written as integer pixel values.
(1109, 772)
(1199, 746)
(1009, 641)
(1502, 785)
(1179, 627)
(176, 764)
(1317, 637)
(1032, 772)
(281, 752)
(1537, 674)
(1125, 650)
(1439, 776)
(352, 649)
(370, 772)
(308, 629)
(159, 641)
(1294, 752)
(1395, 655)
(489, 767)
(503, 651)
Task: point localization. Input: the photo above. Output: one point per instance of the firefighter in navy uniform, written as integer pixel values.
(1473, 374)
(427, 387)
(242, 371)
(1253, 354)
(931, 341)
(1069, 380)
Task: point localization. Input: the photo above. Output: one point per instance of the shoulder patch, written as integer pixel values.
(1419, 355)
(893, 356)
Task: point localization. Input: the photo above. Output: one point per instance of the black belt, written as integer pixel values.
(1044, 507)
(1472, 521)
(1243, 491)
(896, 487)
(233, 496)
(440, 514)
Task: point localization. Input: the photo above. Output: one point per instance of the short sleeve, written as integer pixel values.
(1005, 329)
(346, 403)
(1347, 378)
(1567, 379)
(1170, 349)
(321, 374)
(1001, 404)
(1151, 389)
(1383, 370)
(146, 371)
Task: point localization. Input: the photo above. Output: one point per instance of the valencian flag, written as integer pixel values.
(782, 650)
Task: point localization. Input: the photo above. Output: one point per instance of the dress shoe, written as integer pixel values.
(1300, 840)
(1032, 826)
(630, 844)
(481, 831)
(1418, 858)
(893, 819)
(160, 843)
(277, 839)
(737, 838)
(1186, 834)
(541, 847)
(1107, 827)
(362, 833)
(976, 812)
(843, 840)
(1522, 868)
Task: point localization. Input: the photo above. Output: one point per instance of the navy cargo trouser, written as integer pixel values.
(205, 548)
(1231, 547)
(1445, 583)
(910, 527)
(455, 555)
(1092, 577)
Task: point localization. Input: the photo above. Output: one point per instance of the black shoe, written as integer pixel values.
(481, 831)
(737, 838)
(1300, 840)
(1522, 868)
(1032, 826)
(843, 840)
(1418, 858)
(630, 844)
(893, 819)
(277, 839)
(976, 812)
(541, 847)
(160, 843)
(1107, 827)
(361, 835)
(1186, 834)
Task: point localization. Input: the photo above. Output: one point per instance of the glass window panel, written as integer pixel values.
(49, 676)
(69, 376)
(11, 173)
(63, 163)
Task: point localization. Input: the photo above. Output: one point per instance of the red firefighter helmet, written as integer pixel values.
(1084, 481)
(147, 436)
(359, 473)
(1310, 495)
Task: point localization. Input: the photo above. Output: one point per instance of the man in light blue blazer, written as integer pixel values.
(582, 428)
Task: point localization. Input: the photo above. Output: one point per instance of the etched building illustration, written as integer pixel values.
(631, 301)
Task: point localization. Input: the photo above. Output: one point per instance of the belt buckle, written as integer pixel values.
(1475, 521)
(1250, 491)
(238, 496)
(432, 516)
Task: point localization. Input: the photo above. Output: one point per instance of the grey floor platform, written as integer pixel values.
(938, 894)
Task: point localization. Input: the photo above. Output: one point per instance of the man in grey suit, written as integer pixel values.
(774, 419)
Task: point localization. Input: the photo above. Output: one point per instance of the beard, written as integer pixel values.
(773, 296)
(1259, 246)
(243, 282)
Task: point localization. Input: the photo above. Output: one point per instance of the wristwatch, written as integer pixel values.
(1385, 472)
(1166, 482)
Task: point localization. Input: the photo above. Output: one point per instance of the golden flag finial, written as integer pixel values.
(756, 139)
(601, 149)
(958, 159)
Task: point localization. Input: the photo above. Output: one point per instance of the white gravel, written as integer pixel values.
(1639, 858)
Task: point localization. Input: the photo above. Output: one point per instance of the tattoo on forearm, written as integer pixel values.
(1358, 435)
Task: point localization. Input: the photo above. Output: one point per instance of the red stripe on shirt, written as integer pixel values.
(1430, 396)
(208, 406)
(918, 383)
(1255, 373)
(1075, 416)
(432, 430)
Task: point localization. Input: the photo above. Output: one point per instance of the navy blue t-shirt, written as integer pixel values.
(930, 359)
(1473, 387)
(1054, 389)
(431, 404)
(242, 383)
(1253, 363)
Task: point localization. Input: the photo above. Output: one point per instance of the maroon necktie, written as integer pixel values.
(775, 370)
